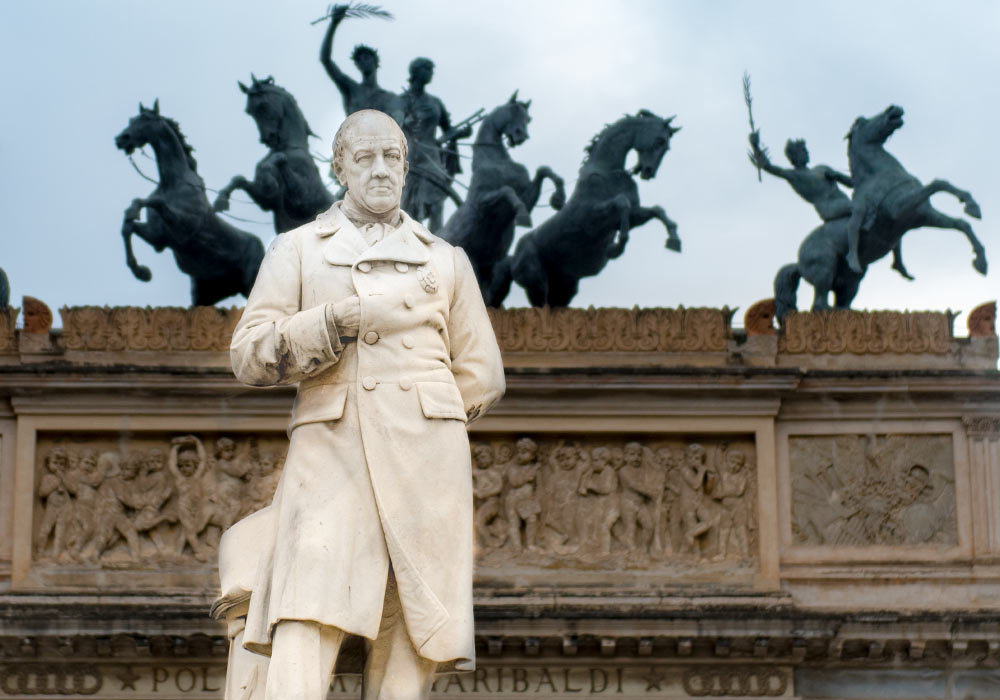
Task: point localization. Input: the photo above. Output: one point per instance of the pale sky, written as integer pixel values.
(74, 73)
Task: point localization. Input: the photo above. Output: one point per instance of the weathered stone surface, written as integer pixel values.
(858, 490)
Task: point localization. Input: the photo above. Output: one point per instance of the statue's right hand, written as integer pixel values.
(338, 12)
(347, 317)
(755, 139)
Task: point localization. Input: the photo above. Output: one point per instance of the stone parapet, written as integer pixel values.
(708, 511)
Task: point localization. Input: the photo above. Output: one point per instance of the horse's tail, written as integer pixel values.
(786, 284)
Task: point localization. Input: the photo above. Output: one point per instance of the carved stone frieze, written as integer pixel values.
(613, 503)
(866, 332)
(147, 500)
(8, 334)
(131, 328)
(862, 490)
(612, 330)
(595, 503)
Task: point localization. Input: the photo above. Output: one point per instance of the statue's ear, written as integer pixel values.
(527, 105)
(513, 98)
(156, 105)
(243, 87)
(141, 108)
(253, 78)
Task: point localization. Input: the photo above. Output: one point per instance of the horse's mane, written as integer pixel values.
(188, 148)
(267, 85)
(641, 114)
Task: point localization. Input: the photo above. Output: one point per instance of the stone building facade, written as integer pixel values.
(666, 506)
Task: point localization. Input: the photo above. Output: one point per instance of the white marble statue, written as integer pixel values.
(383, 327)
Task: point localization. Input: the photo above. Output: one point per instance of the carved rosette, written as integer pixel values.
(199, 329)
(866, 332)
(8, 334)
(611, 330)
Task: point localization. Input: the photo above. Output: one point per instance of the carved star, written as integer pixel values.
(653, 679)
(128, 678)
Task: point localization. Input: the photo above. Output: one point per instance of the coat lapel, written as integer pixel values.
(407, 243)
(345, 242)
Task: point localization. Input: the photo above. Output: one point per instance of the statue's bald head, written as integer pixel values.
(358, 124)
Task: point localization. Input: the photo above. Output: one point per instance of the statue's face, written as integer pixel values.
(373, 164)
(633, 454)
(187, 463)
(366, 62)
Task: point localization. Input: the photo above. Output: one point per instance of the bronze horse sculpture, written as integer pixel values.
(220, 259)
(593, 227)
(887, 203)
(287, 181)
(501, 196)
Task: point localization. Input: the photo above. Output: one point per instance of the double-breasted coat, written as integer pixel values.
(378, 468)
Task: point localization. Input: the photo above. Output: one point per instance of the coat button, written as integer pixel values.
(365, 266)
(409, 301)
(368, 383)
(407, 341)
(371, 337)
(402, 267)
(405, 383)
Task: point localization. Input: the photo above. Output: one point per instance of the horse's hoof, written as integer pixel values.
(980, 265)
(674, 244)
(523, 219)
(220, 204)
(973, 210)
(557, 201)
(143, 274)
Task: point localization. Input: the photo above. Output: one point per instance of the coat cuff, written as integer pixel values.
(313, 344)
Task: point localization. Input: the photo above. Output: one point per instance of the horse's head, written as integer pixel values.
(514, 120)
(141, 129)
(279, 120)
(149, 126)
(875, 130)
(651, 142)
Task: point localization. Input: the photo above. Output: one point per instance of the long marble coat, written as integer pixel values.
(378, 469)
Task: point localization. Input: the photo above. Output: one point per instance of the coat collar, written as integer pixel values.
(346, 246)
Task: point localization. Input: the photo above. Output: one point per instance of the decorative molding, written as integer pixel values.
(131, 328)
(759, 318)
(867, 332)
(982, 426)
(612, 330)
(37, 316)
(982, 321)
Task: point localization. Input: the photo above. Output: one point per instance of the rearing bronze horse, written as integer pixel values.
(220, 259)
(593, 227)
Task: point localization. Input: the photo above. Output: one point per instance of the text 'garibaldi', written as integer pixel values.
(383, 327)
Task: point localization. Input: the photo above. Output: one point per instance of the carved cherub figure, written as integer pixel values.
(187, 464)
(642, 494)
(487, 485)
(57, 516)
(602, 508)
(696, 517)
(523, 506)
(731, 491)
(110, 512)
